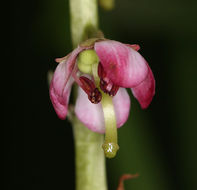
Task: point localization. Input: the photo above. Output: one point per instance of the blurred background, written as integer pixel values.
(158, 143)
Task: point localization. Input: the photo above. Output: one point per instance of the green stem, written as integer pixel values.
(84, 20)
(90, 160)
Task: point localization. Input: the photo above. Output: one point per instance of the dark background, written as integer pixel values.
(159, 143)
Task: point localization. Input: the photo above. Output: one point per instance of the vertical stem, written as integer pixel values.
(90, 160)
(84, 19)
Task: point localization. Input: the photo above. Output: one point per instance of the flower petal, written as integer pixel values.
(91, 115)
(61, 83)
(145, 91)
(122, 106)
(123, 65)
(60, 88)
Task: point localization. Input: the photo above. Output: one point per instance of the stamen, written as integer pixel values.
(101, 72)
(94, 95)
(113, 90)
(105, 84)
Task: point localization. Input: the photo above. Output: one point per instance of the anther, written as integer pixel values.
(105, 84)
(113, 90)
(94, 95)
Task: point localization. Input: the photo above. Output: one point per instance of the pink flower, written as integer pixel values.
(120, 66)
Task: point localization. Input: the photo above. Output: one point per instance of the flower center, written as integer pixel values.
(101, 89)
(85, 62)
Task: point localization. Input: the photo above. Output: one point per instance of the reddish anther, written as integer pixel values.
(114, 90)
(105, 84)
(94, 95)
(87, 84)
(101, 72)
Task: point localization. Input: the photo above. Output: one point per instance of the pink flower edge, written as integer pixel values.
(145, 91)
(61, 83)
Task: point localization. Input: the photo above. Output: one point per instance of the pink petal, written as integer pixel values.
(91, 115)
(123, 65)
(61, 83)
(122, 106)
(60, 88)
(145, 91)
